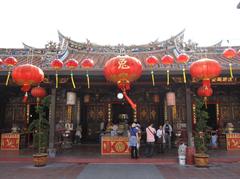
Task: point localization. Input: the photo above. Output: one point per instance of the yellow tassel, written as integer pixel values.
(56, 80)
(88, 81)
(184, 75)
(231, 71)
(8, 76)
(72, 80)
(153, 80)
(167, 77)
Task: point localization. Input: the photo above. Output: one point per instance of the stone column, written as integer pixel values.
(52, 111)
(189, 115)
(190, 151)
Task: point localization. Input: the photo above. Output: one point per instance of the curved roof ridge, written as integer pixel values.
(156, 42)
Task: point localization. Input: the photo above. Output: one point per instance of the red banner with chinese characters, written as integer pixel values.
(114, 145)
(10, 141)
(233, 141)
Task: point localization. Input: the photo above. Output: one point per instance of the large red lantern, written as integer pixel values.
(39, 93)
(205, 69)
(152, 60)
(167, 60)
(122, 70)
(230, 53)
(9, 62)
(183, 59)
(57, 64)
(27, 75)
(87, 63)
(72, 64)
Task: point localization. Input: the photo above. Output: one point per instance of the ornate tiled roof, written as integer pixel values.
(67, 48)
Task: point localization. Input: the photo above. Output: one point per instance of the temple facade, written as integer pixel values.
(99, 103)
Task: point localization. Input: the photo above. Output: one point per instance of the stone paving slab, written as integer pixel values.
(120, 171)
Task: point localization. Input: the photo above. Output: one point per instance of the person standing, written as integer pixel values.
(150, 132)
(161, 139)
(133, 131)
(167, 128)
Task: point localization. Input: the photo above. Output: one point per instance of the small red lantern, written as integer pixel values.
(167, 60)
(9, 62)
(183, 59)
(27, 75)
(39, 93)
(230, 53)
(87, 63)
(152, 60)
(122, 70)
(72, 64)
(205, 91)
(57, 64)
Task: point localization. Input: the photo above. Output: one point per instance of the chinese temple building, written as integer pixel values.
(97, 103)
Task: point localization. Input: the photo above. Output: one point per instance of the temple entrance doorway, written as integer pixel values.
(121, 112)
(212, 120)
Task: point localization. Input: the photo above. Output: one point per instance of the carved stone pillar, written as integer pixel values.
(52, 110)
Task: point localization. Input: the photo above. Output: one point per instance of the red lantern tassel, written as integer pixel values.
(56, 80)
(132, 104)
(73, 83)
(88, 80)
(25, 97)
(8, 76)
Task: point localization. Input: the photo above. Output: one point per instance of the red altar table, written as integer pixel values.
(114, 145)
(233, 141)
(10, 141)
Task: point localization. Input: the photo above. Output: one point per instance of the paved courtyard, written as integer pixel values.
(118, 171)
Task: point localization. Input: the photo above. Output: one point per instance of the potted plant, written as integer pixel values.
(201, 136)
(40, 129)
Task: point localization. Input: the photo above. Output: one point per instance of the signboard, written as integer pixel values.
(10, 141)
(114, 145)
(233, 141)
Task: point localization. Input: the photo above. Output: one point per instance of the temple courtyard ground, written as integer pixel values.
(86, 162)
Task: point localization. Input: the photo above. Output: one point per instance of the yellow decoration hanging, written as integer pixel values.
(153, 80)
(8, 76)
(230, 69)
(56, 80)
(73, 83)
(168, 77)
(88, 81)
(184, 75)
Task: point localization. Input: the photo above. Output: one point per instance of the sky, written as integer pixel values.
(112, 22)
